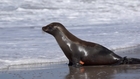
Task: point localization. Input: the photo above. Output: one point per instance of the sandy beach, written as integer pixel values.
(62, 71)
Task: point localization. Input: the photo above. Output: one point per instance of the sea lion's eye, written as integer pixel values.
(50, 27)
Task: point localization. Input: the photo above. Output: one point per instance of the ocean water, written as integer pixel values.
(114, 24)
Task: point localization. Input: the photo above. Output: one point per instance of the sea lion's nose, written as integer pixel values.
(44, 28)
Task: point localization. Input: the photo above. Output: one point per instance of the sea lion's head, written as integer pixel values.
(53, 28)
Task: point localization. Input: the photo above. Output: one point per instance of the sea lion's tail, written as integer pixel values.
(130, 60)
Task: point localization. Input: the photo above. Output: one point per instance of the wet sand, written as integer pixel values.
(62, 71)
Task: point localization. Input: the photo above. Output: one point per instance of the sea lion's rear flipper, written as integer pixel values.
(130, 60)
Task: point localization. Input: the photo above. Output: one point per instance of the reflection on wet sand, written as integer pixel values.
(103, 72)
(62, 71)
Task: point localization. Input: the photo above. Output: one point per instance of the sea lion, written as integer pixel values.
(80, 52)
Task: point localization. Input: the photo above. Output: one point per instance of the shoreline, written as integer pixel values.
(62, 71)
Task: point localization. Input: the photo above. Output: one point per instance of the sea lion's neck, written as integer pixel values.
(64, 33)
(65, 39)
